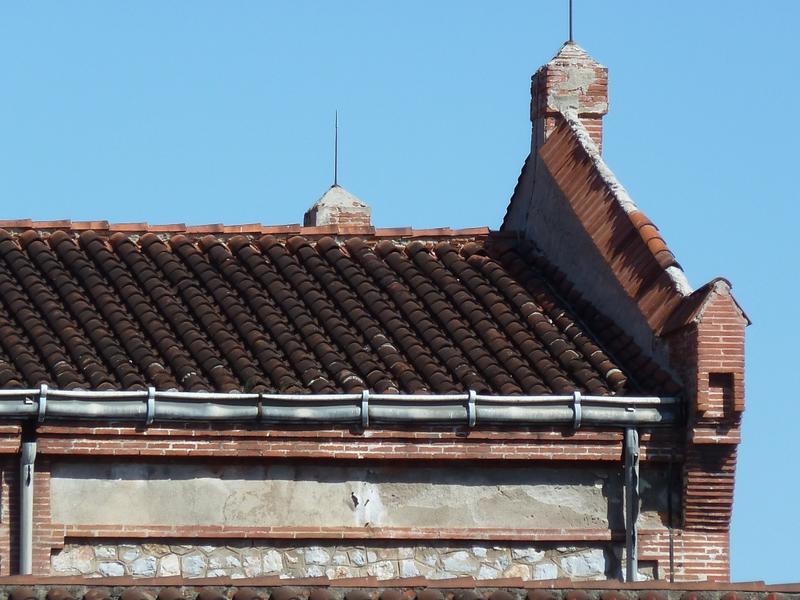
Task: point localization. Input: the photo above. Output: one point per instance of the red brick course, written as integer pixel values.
(559, 445)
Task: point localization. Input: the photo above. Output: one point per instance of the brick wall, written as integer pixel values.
(697, 555)
(708, 352)
(581, 448)
(587, 446)
(452, 444)
(8, 515)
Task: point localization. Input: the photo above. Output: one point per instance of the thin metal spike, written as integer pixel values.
(570, 20)
(336, 150)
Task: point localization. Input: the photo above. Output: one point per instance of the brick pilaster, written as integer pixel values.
(708, 351)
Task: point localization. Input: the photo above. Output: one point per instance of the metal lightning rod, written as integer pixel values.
(570, 20)
(336, 150)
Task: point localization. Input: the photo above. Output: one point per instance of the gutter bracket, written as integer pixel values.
(365, 409)
(151, 405)
(42, 402)
(472, 411)
(576, 409)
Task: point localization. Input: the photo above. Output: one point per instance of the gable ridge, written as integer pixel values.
(649, 233)
(626, 240)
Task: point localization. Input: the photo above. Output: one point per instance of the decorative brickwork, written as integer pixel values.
(707, 344)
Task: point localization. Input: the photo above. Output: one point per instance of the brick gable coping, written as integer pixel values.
(628, 241)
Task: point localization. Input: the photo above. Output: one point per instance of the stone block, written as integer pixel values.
(461, 562)
(155, 549)
(313, 571)
(144, 566)
(358, 557)
(586, 563)
(252, 563)
(74, 560)
(487, 572)
(518, 570)
(384, 569)
(129, 553)
(111, 569)
(169, 566)
(545, 570)
(105, 552)
(409, 568)
(193, 565)
(316, 556)
(272, 562)
(527, 555)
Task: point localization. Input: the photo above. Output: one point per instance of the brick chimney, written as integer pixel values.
(572, 83)
(338, 207)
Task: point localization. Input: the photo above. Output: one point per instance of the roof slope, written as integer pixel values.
(269, 314)
(627, 240)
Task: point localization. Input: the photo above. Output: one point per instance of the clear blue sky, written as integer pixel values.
(206, 112)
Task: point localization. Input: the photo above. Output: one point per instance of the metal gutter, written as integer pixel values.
(367, 409)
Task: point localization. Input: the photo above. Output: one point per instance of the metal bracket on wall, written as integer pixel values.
(577, 411)
(472, 411)
(42, 402)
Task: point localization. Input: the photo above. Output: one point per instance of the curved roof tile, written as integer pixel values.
(296, 313)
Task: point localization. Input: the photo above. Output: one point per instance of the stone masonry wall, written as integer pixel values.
(385, 561)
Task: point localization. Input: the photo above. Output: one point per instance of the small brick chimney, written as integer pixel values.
(572, 83)
(338, 207)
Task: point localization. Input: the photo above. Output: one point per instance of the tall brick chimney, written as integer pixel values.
(338, 207)
(572, 83)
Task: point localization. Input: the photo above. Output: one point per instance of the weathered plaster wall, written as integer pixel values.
(411, 497)
(382, 560)
(303, 494)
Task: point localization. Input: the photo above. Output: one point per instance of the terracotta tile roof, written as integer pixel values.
(125, 588)
(81, 308)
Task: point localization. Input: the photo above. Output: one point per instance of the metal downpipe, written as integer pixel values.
(631, 502)
(27, 459)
